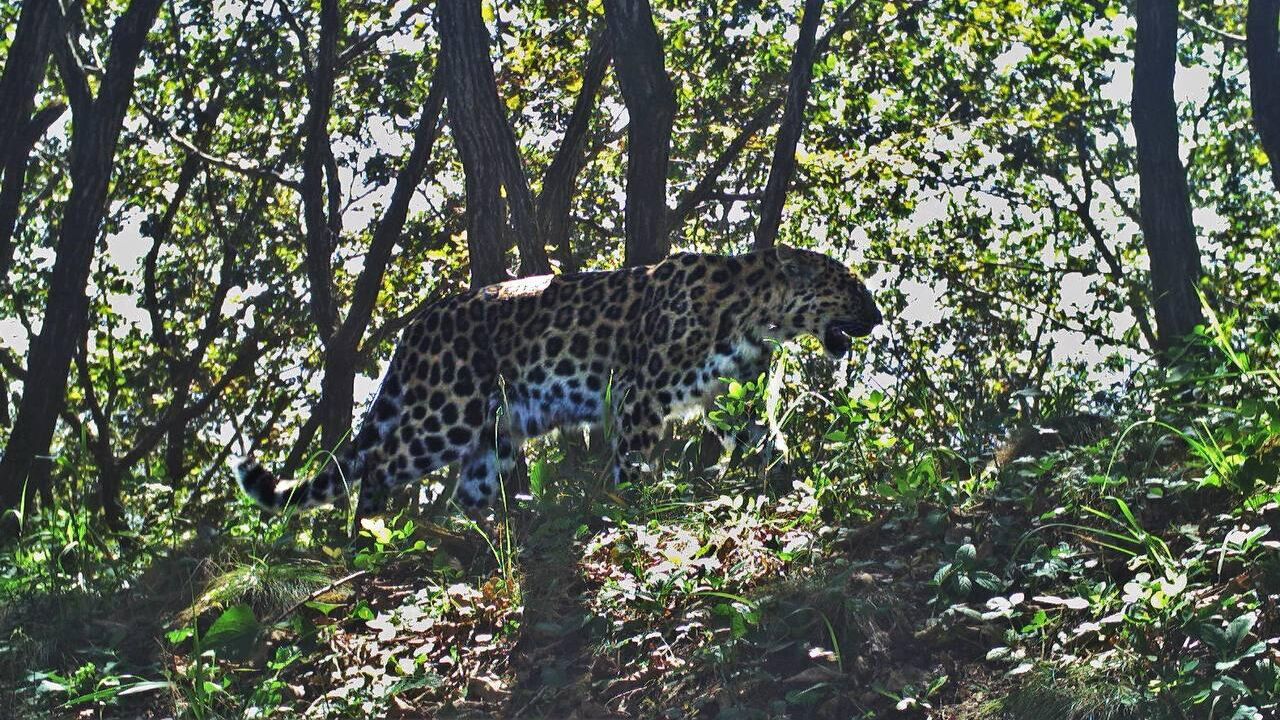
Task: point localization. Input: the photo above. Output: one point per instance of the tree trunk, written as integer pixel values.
(96, 124)
(488, 149)
(1263, 50)
(15, 176)
(556, 199)
(784, 151)
(109, 483)
(24, 70)
(320, 237)
(651, 107)
(1165, 203)
(318, 212)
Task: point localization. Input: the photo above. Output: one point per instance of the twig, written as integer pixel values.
(233, 165)
(1229, 38)
(326, 589)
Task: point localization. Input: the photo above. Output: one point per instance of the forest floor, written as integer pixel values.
(1034, 593)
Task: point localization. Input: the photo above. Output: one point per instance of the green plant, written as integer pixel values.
(389, 542)
(957, 578)
(913, 697)
(199, 679)
(93, 685)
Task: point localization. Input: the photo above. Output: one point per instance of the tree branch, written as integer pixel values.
(357, 46)
(15, 179)
(75, 76)
(706, 186)
(784, 152)
(387, 233)
(1223, 35)
(239, 167)
(556, 196)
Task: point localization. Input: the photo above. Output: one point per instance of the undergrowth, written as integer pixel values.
(864, 572)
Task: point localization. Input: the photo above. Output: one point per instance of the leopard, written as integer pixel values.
(476, 374)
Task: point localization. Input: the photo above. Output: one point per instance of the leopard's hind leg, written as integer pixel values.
(411, 449)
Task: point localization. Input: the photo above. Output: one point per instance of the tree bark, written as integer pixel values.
(487, 145)
(556, 198)
(1262, 48)
(95, 130)
(784, 150)
(1165, 203)
(651, 107)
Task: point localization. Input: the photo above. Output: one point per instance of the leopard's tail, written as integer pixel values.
(335, 480)
(343, 469)
(330, 484)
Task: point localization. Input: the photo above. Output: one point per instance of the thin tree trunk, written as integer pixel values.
(113, 469)
(488, 148)
(319, 236)
(298, 452)
(184, 367)
(318, 212)
(556, 198)
(1165, 207)
(192, 164)
(651, 106)
(182, 373)
(338, 383)
(1262, 48)
(24, 68)
(15, 178)
(784, 150)
(95, 130)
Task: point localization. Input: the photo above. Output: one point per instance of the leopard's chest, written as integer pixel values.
(697, 388)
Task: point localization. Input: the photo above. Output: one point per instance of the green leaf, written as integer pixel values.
(322, 607)
(1239, 629)
(233, 631)
(145, 686)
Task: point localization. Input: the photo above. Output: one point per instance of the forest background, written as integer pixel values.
(1048, 481)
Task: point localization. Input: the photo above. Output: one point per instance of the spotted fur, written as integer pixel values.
(478, 373)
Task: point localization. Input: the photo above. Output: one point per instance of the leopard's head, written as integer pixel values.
(826, 299)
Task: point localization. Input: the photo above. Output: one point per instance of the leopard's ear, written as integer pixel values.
(797, 264)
